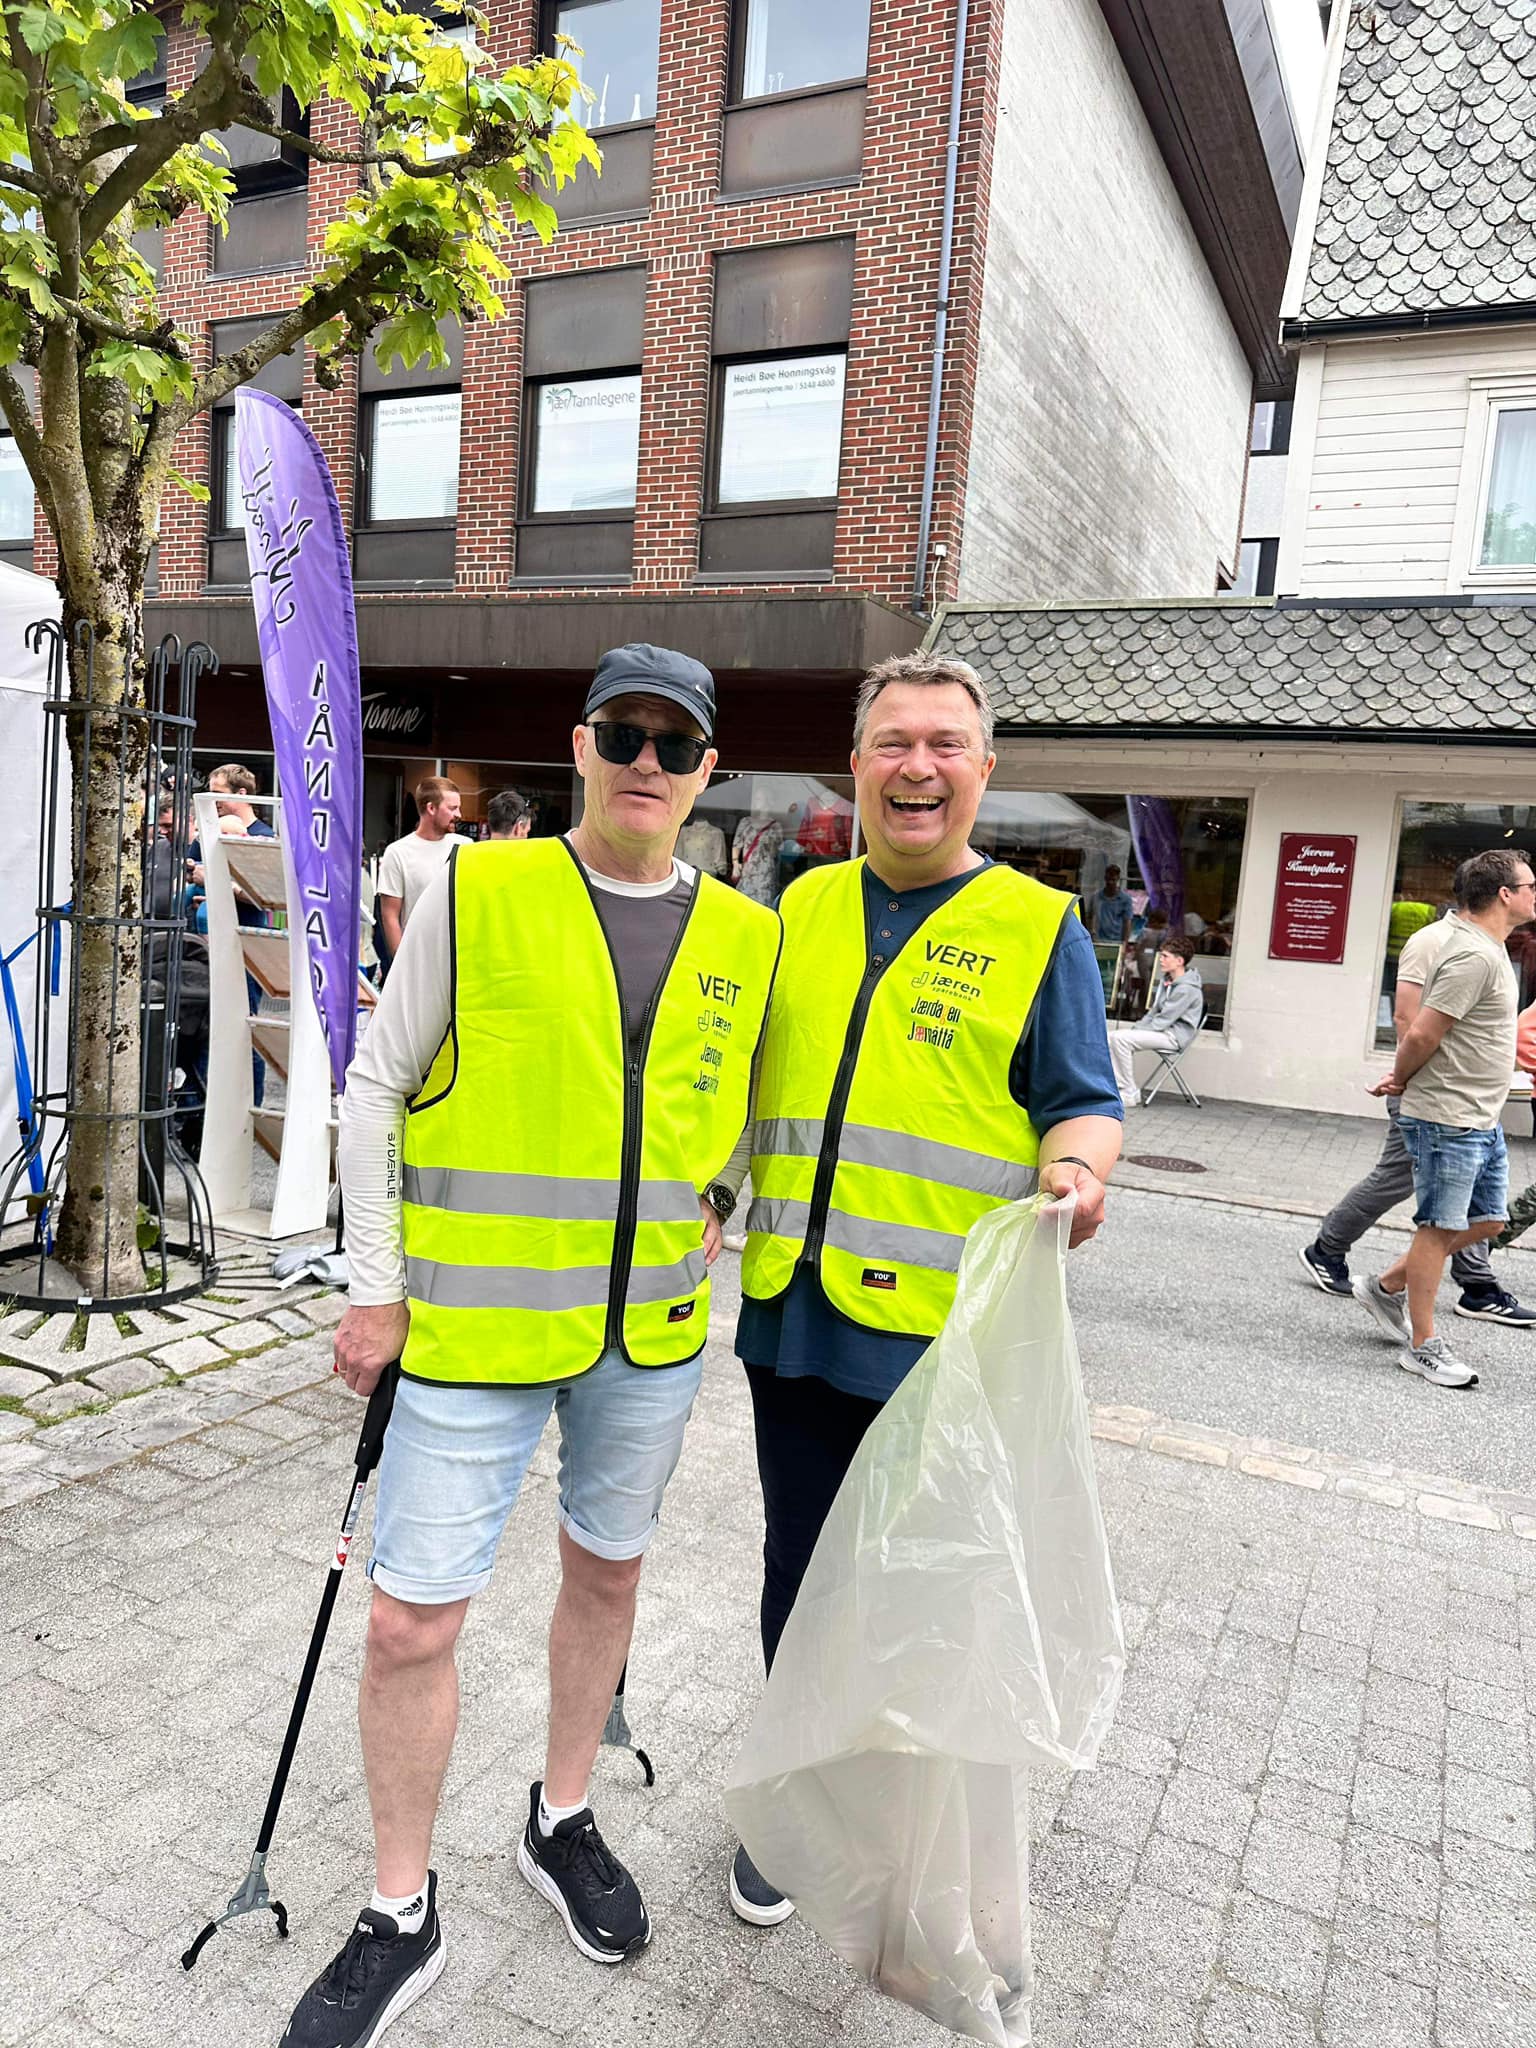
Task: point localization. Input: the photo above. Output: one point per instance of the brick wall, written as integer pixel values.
(893, 212)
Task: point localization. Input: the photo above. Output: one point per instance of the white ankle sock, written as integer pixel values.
(550, 1817)
(408, 1913)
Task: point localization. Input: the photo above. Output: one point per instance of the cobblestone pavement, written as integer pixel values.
(1312, 1824)
(1276, 1158)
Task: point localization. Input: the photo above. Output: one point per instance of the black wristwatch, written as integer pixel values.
(720, 1199)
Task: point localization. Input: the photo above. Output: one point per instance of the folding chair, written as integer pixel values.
(1167, 1069)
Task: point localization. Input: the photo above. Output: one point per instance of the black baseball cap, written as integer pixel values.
(642, 670)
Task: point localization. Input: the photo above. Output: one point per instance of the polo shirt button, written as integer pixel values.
(893, 906)
(885, 935)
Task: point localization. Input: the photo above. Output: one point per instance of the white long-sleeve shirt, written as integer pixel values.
(398, 1048)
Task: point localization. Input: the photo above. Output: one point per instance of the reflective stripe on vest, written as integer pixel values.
(550, 1187)
(885, 1123)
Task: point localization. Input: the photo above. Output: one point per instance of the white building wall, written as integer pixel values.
(1112, 397)
(1386, 435)
(1296, 1035)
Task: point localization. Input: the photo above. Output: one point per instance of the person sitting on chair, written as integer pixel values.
(1169, 1025)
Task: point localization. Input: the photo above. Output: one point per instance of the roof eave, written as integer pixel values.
(1296, 332)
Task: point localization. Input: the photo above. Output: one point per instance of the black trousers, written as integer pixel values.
(807, 1433)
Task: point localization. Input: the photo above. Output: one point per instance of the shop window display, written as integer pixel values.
(1139, 866)
(1434, 840)
(758, 832)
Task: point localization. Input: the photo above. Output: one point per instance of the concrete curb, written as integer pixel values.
(1427, 1494)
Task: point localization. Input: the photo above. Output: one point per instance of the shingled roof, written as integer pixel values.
(1428, 198)
(1365, 670)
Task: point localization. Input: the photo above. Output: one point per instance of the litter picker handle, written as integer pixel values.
(370, 1444)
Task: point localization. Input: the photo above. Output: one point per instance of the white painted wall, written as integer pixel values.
(1297, 1035)
(1386, 434)
(1112, 398)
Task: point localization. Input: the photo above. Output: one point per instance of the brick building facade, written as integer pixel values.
(769, 220)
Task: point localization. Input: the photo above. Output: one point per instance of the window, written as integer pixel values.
(792, 45)
(1434, 839)
(1179, 860)
(781, 429)
(582, 344)
(586, 444)
(284, 378)
(1271, 427)
(1257, 563)
(1509, 509)
(15, 494)
(619, 42)
(411, 456)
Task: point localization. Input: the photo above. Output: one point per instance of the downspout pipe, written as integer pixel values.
(941, 316)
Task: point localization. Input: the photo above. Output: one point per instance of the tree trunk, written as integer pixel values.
(97, 1233)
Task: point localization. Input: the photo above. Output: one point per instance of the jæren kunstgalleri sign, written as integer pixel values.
(1312, 885)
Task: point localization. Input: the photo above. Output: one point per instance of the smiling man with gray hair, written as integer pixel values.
(936, 1047)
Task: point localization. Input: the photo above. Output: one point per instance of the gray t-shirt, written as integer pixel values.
(641, 931)
(1465, 1081)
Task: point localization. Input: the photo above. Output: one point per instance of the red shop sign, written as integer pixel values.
(1312, 888)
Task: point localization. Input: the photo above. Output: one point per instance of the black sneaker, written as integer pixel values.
(753, 1898)
(378, 1975)
(586, 1884)
(1331, 1274)
(1496, 1306)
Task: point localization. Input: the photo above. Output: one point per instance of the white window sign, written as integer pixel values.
(587, 449)
(414, 463)
(781, 428)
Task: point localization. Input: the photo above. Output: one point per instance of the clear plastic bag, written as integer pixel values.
(957, 1623)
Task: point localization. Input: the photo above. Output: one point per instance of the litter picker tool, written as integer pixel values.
(616, 1733)
(253, 1895)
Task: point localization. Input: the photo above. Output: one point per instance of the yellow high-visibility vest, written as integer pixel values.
(551, 1186)
(884, 1125)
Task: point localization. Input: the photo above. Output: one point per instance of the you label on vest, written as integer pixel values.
(880, 1276)
(680, 1311)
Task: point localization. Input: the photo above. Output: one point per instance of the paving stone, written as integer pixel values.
(191, 1354)
(68, 1399)
(18, 1381)
(1490, 1807)
(1271, 1948)
(1496, 1749)
(1117, 1804)
(1385, 1871)
(1397, 1803)
(1471, 2012)
(1166, 1940)
(1495, 1937)
(325, 1311)
(127, 1376)
(1187, 1868)
(1234, 2018)
(1498, 1872)
(14, 1427)
(248, 1336)
(1292, 1867)
(1197, 1808)
(1385, 1942)
(1128, 2012)
(1084, 1874)
(1300, 1805)
(1364, 2005)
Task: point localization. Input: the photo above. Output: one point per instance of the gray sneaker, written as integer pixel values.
(1390, 1310)
(1435, 1361)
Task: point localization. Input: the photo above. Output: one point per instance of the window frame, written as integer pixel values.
(583, 515)
(755, 508)
(1489, 399)
(735, 94)
(368, 403)
(221, 453)
(549, 11)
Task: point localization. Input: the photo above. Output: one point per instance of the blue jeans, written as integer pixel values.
(455, 1457)
(1460, 1177)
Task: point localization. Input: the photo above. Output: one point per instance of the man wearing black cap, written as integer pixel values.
(553, 1081)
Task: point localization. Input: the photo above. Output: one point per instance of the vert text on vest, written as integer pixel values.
(718, 989)
(959, 956)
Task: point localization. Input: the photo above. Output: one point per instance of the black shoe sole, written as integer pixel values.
(414, 1987)
(546, 1888)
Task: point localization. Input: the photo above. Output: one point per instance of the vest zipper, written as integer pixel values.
(842, 1087)
(623, 1260)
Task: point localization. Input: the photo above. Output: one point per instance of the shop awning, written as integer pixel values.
(1372, 669)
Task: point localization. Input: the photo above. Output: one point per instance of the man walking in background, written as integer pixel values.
(1452, 1071)
(411, 865)
(1390, 1180)
(935, 1048)
(1168, 1026)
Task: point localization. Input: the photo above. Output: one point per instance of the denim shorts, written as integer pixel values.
(455, 1457)
(1459, 1177)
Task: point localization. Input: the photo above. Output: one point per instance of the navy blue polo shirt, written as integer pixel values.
(1060, 1069)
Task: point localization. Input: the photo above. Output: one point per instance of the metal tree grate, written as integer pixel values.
(149, 747)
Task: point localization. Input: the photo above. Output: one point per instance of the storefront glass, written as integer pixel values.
(758, 832)
(1178, 858)
(1434, 840)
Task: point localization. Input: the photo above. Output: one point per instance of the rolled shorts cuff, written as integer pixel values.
(616, 1551)
(422, 1592)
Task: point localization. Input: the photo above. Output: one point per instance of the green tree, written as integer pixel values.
(451, 160)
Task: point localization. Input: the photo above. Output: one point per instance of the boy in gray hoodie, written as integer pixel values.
(1168, 1026)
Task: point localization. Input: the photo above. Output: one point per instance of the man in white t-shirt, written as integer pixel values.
(1390, 1180)
(410, 865)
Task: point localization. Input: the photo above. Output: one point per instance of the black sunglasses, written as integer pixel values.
(677, 752)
